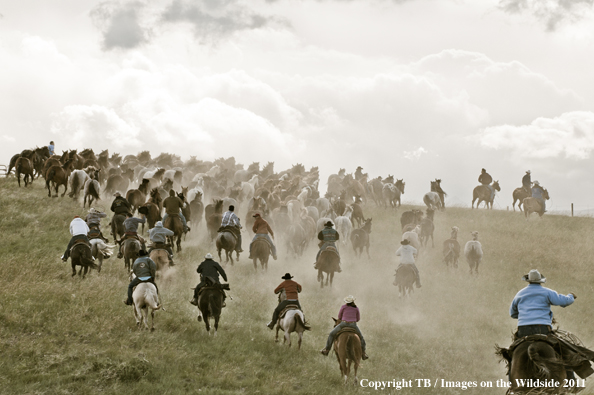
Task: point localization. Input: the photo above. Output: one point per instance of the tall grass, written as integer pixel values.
(65, 335)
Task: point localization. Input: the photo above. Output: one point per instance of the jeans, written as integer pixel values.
(72, 241)
(415, 270)
(323, 247)
(281, 306)
(137, 281)
(183, 219)
(267, 237)
(337, 328)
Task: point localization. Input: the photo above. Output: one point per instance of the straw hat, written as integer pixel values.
(349, 299)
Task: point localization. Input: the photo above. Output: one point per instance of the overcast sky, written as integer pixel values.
(419, 89)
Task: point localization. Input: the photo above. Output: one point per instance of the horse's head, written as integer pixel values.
(400, 185)
(367, 225)
(545, 194)
(496, 185)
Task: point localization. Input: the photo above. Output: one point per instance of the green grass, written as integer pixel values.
(64, 335)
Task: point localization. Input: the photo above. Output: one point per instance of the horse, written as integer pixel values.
(98, 247)
(413, 217)
(360, 238)
(483, 194)
(210, 304)
(116, 182)
(161, 259)
(136, 198)
(451, 249)
(174, 223)
(427, 228)
(347, 347)
(77, 181)
(296, 239)
(473, 252)
(92, 190)
(59, 176)
(519, 195)
(214, 215)
(145, 297)
(344, 225)
(80, 255)
(260, 251)
(293, 321)
(328, 262)
(433, 201)
(391, 195)
(227, 241)
(117, 226)
(24, 166)
(405, 279)
(153, 212)
(130, 250)
(357, 213)
(436, 187)
(531, 205)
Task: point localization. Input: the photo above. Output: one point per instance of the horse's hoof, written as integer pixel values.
(199, 318)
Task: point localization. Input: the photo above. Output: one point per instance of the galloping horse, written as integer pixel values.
(145, 296)
(519, 195)
(483, 194)
(432, 200)
(24, 166)
(174, 223)
(210, 304)
(80, 255)
(59, 176)
(98, 246)
(260, 251)
(451, 249)
(360, 238)
(293, 320)
(328, 262)
(227, 241)
(117, 226)
(130, 250)
(531, 205)
(404, 279)
(347, 346)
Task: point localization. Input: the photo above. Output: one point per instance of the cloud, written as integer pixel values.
(551, 12)
(416, 154)
(569, 136)
(120, 24)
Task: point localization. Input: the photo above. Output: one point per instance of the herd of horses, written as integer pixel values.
(289, 200)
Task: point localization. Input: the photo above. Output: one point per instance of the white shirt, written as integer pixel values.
(78, 227)
(407, 254)
(230, 219)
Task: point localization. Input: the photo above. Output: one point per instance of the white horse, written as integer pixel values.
(293, 321)
(192, 193)
(145, 297)
(248, 189)
(391, 194)
(344, 226)
(473, 251)
(98, 248)
(413, 237)
(432, 200)
(322, 204)
(76, 181)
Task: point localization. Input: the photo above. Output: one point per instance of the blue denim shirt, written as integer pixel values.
(532, 305)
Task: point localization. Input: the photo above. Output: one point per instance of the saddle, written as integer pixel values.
(79, 242)
(261, 238)
(230, 229)
(287, 308)
(345, 329)
(131, 235)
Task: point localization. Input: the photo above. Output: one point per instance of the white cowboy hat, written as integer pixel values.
(534, 277)
(92, 210)
(208, 256)
(528, 171)
(349, 299)
(536, 183)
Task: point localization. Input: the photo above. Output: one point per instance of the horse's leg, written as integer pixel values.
(256, 264)
(216, 324)
(321, 278)
(300, 334)
(331, 277)
(65, 188)
(152, 320)
(472, 204)
(73, 267)
(206, 319)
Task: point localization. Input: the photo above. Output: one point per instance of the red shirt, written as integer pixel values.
(262, 227)
(349, 313)
(291, 289)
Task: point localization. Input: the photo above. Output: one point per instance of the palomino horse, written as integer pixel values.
(519, 195)
(24, 166)
(210, 304)
(98, 247)
(260, 251)
(531, 205)
(59, 176)
(145, 297)
(174, 223)
(328, 262)
(483, 194)
(360, 238)
(432, 200)
(226, 240)
(80, 255)
(347, 347)
(405, 279)
(130, 250)
(161, 259)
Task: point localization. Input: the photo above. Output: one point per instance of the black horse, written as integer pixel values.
(81, 255)
(210, 304)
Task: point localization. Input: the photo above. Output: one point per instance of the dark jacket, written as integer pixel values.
(212, 269)
(172, 205)
(328, 235)
(144, 267)
(131, 224)
(485, 179)
(527, 180)
(121, 206)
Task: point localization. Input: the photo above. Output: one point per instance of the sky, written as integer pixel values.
(418, 89)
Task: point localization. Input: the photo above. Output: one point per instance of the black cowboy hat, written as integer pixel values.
(143, 210)
(329, 223)
(142, 253)
(287, 276)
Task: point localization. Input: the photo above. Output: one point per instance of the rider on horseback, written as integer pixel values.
(158, 236)
(292, 289)
(349, 316)
(358, 173)
(93, 220)
(232, 221)
(173, 206)
(131, 232)
(261, 228)
(328, 238)
(145, 270)
(407, 254)
(120, 205)
(79, 230)
(527, 182)
(537, 193)
(486, 180)
(209, 271)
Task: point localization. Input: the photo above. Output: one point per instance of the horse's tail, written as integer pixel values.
(94, 189)
(75, 185)
(544, 365)
(89, 262)
(301, 322)
(50, 175)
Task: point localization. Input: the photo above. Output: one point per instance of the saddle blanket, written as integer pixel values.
(287, 308)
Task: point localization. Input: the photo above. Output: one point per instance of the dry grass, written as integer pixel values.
(62, 335)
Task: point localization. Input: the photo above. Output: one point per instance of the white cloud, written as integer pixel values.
(416, 154)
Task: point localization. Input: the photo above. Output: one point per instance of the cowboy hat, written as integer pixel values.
(528, 171)
(92, 210)
(534, 277)
(256, 215)
(536, 183)
(329, 223)
(142, 253)
(405, 242)
(349, 299)
(117, 194)
(208, 256)
(287, 276)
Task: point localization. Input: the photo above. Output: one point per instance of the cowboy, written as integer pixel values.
(209, 271)
(532, 306)
(120, 205)
(232, 220)
(537, 193)
(292, 289)
(158, 236)
(261, 228)
(328, 238)
(486, 180)
(407, 254)
(358, 173)
(79, 230)
(145, 270)
(527, 182)
(50, 147)
(173, 205)
(131, 231)
(348, 317)
(93, 220)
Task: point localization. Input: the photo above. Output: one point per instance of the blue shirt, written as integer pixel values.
(532, 305)
(51, 149)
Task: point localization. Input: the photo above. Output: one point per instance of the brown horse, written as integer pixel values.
(360, 238)
(117, 226)
(226, 240)
(130, 250)
(58, 175)
(80, 255)
(136, 198)
(483, 194)
(24, 166)
(214, 214)
(531, 205)
(328, 262)
(153, 214)
(161, 259)
(347, 347)
(519, 195)
(405, 279)
(260, 251)
(535, 360)
(174, 223)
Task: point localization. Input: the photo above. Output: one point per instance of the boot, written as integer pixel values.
(194, 301)
(364, 356)
(324, 352)
(120, 255)
(128, 302)
(171, 261)
(270, 325)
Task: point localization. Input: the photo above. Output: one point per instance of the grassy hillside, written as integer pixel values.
(64, 335)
